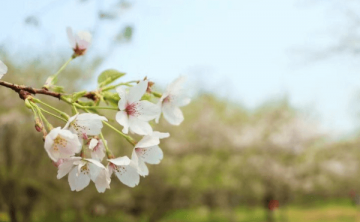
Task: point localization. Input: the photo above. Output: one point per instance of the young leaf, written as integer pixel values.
(112, 98)
(78, 95)
(109, 76)
(58, 89)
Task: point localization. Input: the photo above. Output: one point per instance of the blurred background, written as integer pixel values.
(272, 133)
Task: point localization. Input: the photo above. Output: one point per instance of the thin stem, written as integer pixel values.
(108, 151)
(156, 94)
(94, 107)
(66, 116)
(52, 114)
(107, 88)
(128, 138)
(63, 67)
(47, 124)
(74, 107)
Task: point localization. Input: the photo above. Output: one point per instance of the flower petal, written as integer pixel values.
(71, 37)
(147, 110)
(72, 178)
(121, 90)
(3, 69)
(172, 114)
(93, 143)
(122, 118)
(128, 175)
(98, 153)
(83, 39)
(160, 135)
(139, 127)
(181, 101)
(136, 92)
(82, 181)
(71, 119)
(64, 169)
(96, 163)
(142, 168)
(176, 86)
(89, 124)
(147, 141)
(120, 161)
(102, 181)
(151, 155)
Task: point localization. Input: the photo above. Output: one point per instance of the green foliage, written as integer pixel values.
(109, 76)
(111, 98)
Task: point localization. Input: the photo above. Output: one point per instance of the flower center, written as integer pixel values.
(118, 169)
(140, 151)
(85, 169)
(167, 99)
(79, 51)
(131, 109)
(59, 141)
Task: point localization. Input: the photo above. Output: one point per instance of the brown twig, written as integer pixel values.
(25, 91)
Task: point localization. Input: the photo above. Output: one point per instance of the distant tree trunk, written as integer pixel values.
(12, 212)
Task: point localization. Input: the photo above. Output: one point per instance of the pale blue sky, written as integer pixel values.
(247, 51)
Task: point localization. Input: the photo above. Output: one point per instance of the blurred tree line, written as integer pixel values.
(221, 157)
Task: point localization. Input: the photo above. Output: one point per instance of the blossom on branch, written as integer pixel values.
(125, 170)
(148, 151)
(81, 171)
(85, 124)
(97, 149)
(173, 98)
(79, 42)
(60, 143)
(135, 114)
(3, 69)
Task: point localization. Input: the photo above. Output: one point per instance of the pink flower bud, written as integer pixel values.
(38, 125)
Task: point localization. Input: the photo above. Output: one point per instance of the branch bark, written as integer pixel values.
(25, 91)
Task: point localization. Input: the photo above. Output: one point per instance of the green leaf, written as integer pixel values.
(78, 95)
(112, 98)
(58, 89)
(109, 76)
(146, 96)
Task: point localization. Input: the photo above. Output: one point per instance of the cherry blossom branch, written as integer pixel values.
(28, 89)
(20, 89)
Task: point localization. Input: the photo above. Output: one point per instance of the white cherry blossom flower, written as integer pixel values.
(148, 151)
(81, 171)
(3, 69)
(79, 42)
(173, 98)
(135, 114)
(85, 124)
(60, 143)
(125, 170)
(97, 149)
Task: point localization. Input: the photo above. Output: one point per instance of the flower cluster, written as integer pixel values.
(81, 136)
(79, 149)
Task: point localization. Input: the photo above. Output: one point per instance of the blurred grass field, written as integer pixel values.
(327, 213)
